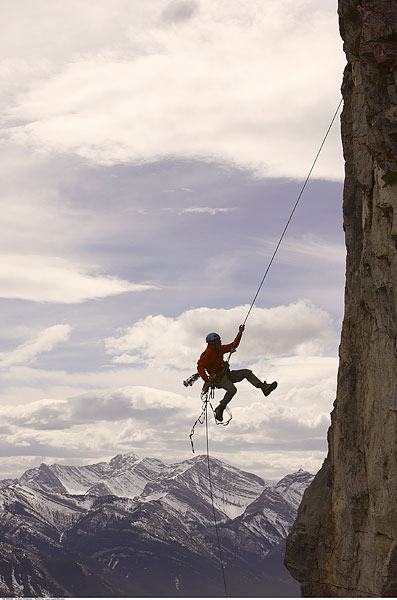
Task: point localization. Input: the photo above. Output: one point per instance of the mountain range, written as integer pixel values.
(140, 527)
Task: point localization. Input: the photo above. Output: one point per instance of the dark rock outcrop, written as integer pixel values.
(344, 541)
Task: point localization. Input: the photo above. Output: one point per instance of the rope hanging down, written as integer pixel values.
(213, 505)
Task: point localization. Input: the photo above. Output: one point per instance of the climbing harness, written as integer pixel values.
(193, 378)
(208, 395)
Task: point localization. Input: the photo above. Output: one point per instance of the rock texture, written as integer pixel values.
(344, 541)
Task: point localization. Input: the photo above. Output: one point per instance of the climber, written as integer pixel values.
(216, 372)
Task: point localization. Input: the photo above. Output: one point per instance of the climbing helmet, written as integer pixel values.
(212, 338)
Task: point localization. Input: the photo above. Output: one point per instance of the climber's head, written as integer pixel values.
(213, 339)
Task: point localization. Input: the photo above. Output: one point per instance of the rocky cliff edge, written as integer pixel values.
(344, 541)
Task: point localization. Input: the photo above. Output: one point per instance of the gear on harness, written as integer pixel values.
(193, 378)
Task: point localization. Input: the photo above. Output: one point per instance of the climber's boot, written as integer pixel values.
(219, 412)
(267, 388)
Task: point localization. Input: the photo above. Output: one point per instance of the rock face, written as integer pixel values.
(344, 541)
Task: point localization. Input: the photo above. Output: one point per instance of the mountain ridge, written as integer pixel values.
(160, 540)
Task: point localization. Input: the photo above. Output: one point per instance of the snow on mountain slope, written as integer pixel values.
(187, 489)
(267, 520)
(125, 475)
(265, 509)
(6, 482)
(138, 521)
(41, 508)
(42, 478)
(184, 485)
(120, 476)
(293, 486)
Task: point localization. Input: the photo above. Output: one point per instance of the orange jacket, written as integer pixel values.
(211, 360)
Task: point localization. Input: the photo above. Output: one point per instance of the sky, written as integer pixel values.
(151, 152)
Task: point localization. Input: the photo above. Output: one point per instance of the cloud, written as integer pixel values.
(42, 414)
(177, 80)
(114, 405)
(122, 409)
(52, 279)
(312, 247)
(205, 209)
(225, 88)
(266, 435)
(137, 402)
(45, 341)
(180, 11)
(174, 342)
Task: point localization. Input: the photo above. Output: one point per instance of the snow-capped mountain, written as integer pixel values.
(292, 486)
(6, 482)
(267, 521)
(137, 526)
(183, 486)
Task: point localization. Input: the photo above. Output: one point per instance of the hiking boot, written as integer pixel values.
(219, 413)
(267, 388)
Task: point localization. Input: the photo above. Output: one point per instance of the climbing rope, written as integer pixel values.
(210, 394)
(213, 506)
(206, 398)
(293, 211)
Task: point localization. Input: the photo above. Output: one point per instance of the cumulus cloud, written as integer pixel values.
(44, 341)
(289, 426)
(52, 279)
(266, 435)
(225, 87)
(166, 341)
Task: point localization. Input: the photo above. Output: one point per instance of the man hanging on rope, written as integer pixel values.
(216, 372)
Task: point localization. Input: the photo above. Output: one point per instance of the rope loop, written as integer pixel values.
(206, 398)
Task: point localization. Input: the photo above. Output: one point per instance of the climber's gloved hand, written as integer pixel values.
(206, 386)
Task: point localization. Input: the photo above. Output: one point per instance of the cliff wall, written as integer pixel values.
(344, 541)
